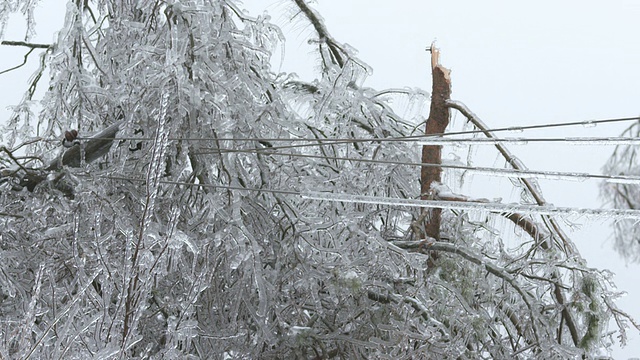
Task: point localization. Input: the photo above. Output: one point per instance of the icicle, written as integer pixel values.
(157, 163)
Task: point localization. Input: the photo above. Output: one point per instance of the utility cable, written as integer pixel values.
(616, 214)
(510, 173)
(317, 141)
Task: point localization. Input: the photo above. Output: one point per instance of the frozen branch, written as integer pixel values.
(92, 148)
(432, 245)
(511, 159)
(529, 226)
(26, 44)
(533, 190)
(322, 31)
(386, 299)
(517, 165)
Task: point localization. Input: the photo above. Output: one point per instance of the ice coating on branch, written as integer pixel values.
(624, 194)
(199, 244)
(179, 239)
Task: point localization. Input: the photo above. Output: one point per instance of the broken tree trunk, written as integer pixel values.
(436, 124)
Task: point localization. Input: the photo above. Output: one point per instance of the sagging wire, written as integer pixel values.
(423, 139)
(511, 173)
(417, 138)
(616, 214)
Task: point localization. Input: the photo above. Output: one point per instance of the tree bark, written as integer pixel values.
(436, 124)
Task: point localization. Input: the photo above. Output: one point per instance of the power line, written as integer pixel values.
(427, 140)
(584, 123)
(317, 141)
(616, 214)
(434, 139)
(510, 173)
(526, 141)
(422, 140)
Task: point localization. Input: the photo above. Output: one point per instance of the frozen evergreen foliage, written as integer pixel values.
(624, 161)
(200, 246)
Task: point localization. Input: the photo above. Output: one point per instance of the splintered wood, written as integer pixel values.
(436, 124)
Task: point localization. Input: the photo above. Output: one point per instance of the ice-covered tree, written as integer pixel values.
(211, 208)
(624, 161)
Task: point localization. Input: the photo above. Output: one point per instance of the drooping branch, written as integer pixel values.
(520, 220)
(511, 159)
(517, 165)
(430, 244)
(553, 226)
(322, 31)
(395, 298)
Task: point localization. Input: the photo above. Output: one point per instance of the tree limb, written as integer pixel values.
(322, 31)
(92, 148)
(26, 44)
(519, 220)
(430, 244)
(533, 190)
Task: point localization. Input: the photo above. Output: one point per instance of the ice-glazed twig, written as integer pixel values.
(323, 33)
(433, 245)
(532, 187)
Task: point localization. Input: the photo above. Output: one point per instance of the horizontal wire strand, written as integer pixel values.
(426, 140)
(454, 205)
(392, 139)
(214, 186)
(550, 175)
(511, 173)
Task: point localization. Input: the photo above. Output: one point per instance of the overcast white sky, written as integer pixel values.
(512, 64)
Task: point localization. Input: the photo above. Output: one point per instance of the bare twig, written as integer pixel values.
(26, 44)
(24, 61)
(31, 47)
(322, 31)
